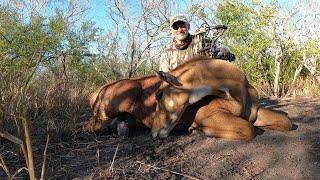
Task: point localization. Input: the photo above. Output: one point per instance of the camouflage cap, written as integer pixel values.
(177, 18)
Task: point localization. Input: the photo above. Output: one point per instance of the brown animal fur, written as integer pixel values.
(213, 116)
(195, 79)
(135, 96)
(218, 117)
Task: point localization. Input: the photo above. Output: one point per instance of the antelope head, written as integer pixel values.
(172, 99)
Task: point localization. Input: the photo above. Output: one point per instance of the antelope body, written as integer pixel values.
(195, 79)
(214, 116)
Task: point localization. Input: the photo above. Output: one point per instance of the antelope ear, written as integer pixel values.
(169, 78)
(161, 75)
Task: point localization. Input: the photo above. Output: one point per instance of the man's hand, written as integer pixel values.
(200, 31)
(225, 54)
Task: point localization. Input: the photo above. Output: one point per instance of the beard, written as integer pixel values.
(182, 36)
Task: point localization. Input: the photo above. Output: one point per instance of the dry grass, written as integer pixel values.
(308, 87)
(305, 87)
(55, 107)
(89, 157)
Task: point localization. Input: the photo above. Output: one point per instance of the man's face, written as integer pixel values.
(180, 30)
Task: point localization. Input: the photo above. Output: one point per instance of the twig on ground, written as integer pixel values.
(18, 171)
(173, 172)
(92, 175)
(25, 122)
(16, 140)
(98, 156)
(4, 167)
(114, 157)
(44, 158)
(11, 137)
(23, 148)
(29, 148)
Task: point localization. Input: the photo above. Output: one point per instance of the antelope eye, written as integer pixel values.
(159, 95)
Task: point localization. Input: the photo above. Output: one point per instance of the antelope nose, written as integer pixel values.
(154, 135)
(154, 132)
(163, 133)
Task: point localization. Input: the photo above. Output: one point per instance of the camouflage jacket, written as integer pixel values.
(173, 56)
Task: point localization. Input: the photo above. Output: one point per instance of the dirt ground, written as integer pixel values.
(270, 155)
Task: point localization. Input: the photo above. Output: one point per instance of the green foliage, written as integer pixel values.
(248, 28)
(311, 47)
(56, 49)
(199, 10)
(255, 36)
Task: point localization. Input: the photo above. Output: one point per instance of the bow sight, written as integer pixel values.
(209, 35)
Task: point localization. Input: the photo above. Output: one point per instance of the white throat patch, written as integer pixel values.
(199, 92)
(174, 116)
(227, 91)
(171, 103)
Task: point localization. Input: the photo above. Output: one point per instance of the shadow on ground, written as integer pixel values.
(271, 155)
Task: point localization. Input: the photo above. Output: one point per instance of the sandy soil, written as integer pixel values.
(271, 155)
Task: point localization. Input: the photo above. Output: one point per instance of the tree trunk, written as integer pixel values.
(296, 75)
(311, 65)
(266, 81)
(277, 71)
